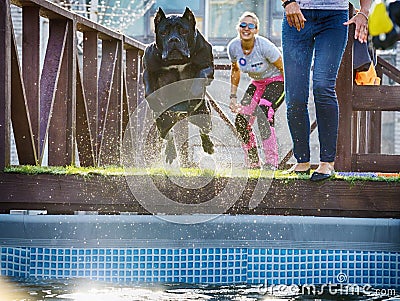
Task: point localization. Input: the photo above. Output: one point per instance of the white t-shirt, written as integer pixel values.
(258, 64)
(324, 4)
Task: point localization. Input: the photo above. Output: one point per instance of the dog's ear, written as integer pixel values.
(160, 15)
(188, 15)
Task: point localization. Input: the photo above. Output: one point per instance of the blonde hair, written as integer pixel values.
(251, 15)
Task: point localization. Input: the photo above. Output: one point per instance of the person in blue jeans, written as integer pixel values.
(316, 30)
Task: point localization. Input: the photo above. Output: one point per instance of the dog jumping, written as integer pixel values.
(179, 53)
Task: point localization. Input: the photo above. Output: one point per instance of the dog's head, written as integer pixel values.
(175, 35)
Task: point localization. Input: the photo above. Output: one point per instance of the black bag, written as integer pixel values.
(361, 56)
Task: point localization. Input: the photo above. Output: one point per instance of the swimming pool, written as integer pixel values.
(268, 250)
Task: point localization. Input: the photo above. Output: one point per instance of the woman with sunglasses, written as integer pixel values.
(261, 60)
(316, 31)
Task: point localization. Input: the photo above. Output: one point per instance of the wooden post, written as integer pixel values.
(90, 86)
(61, 133)
(132, 65)
(362, 137)
(374, 129)
(344, 90)
(5, 83)
(31, 65)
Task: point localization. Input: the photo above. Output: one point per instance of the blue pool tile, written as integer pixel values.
(221, 265)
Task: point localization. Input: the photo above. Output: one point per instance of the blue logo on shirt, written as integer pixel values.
(242, 61)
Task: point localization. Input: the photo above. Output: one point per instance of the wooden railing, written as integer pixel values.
(360, 121)
(72, 104)
(82, 102)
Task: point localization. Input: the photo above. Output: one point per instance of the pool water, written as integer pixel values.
(86, 290)
(138, 257)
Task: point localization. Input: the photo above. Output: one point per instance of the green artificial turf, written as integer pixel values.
(185, 172)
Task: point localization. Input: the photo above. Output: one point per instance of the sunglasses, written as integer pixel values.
(249, 25)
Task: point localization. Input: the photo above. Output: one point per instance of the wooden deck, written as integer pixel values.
(65, 194)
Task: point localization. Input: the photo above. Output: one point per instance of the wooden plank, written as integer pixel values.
(374, 127)
(389, 70)
(131, 84)
(111, 194)
(223, 67)
(105, 33)
(362, 130)
(106, 78)
(354, 131)
(61, 150)
(23, 135)
(50, 74)
(90, 84)
(331, 198)
(64, 194)
(72, 66)
(47, 9)
(5, 83)
(84, 138)
(31, 65)
(376, 162)
(53, 11)
(130, 43)
(376, 98)
(125, 102)
(344, 88)
(111, 141)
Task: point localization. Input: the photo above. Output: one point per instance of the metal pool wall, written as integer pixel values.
(224, 249)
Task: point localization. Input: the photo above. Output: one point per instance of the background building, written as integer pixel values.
(216, 19)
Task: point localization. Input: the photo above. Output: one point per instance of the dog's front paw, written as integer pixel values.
(170, 151)
(207, 144)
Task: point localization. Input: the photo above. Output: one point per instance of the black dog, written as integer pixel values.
(179, 53)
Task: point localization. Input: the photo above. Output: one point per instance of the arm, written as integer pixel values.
(279, 64)
(235, 79)
(361, 21)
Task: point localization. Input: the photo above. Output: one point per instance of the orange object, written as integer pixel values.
(368, 77)
(388, 175)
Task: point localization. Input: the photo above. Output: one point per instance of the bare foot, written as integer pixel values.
(299, 168)
(326, 167)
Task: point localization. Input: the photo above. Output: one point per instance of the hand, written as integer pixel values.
(361, 22)
(234, 106)
(294, 16)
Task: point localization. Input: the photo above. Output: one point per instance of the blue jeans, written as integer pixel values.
(325, 36)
